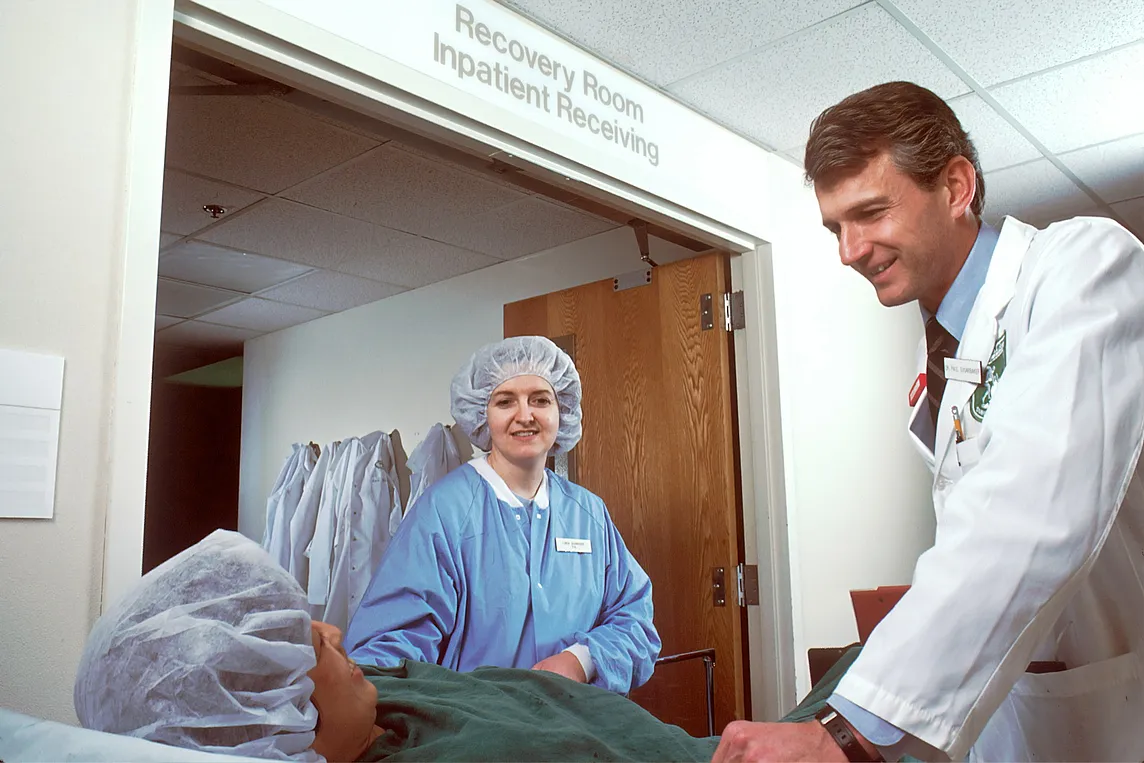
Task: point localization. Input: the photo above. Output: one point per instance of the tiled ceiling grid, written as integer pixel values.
(1051, 93)
(322, 215)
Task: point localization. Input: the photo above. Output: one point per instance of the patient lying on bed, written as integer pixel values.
(214, 650)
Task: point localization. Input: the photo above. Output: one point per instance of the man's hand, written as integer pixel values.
(745, 741)
(565, 664)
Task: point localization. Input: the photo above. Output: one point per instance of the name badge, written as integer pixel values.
(958, 369)
(574, 545)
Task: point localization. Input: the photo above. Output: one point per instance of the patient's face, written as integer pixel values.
(346, 701)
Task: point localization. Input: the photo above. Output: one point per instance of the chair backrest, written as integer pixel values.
(872, 605)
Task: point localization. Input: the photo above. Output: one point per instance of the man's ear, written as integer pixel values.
(960, 178)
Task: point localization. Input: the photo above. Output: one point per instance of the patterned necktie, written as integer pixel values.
(940, 344)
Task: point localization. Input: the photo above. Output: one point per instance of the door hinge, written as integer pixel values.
(748, 577)
(718, 587)
(706, 312)
(734, 311)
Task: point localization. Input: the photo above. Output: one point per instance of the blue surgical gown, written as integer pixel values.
(468, 581)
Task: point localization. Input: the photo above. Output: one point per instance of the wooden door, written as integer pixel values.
(660, 447)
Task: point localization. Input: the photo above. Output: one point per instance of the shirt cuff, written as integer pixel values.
(581, 653)
(877, 731)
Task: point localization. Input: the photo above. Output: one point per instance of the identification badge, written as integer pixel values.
(574, 545)
(917, 389)
(957, 369)
(993, 370)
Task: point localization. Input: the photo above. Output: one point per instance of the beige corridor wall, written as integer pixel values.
(68, 75)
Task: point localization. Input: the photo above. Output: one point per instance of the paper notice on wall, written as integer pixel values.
(31, 393)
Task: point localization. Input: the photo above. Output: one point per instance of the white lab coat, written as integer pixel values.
(305, 517)
(436, 456)
(1039, 550)
(283, 502)
(366, 500)
(320, 549)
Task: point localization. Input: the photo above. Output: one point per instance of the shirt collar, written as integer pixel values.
(497, 483)
(953, 312)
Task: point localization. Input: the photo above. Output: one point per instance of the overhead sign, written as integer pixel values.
(504, 71)
(570, 93)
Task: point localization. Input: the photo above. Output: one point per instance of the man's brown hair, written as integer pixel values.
(917, 128)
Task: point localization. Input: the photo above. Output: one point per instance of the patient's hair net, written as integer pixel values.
(209, 651)
(494, 364)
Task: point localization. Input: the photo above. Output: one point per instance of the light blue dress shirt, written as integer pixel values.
(952, 314)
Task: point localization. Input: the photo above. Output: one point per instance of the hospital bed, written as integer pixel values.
(708, 657)
(24, 739)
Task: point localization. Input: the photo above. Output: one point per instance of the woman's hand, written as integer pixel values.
(565, 664)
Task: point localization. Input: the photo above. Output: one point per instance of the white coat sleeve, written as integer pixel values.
(274, 500)
(1022, 527)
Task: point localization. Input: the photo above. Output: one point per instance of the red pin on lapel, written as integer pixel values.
(917, 389)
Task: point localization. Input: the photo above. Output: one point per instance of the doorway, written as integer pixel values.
(660, 446)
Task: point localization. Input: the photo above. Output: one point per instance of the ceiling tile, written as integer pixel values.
(530, 225)
(184, 197)
(1132, 212)
(772, 96)
(210, 265)
(185, 300)
(665, 43)
(253, 142)
(166, 239)
(1036, 193)
(261, 315)
(998, 143)
(196, 334)
(165, 321)
(296, 232)
(326, 290)
(996, 43)
(1114, 170)
(1090, 102)
(414, 262)
(397, 189)
(327, 240)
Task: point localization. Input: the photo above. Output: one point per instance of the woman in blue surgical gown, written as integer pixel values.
(502, 562)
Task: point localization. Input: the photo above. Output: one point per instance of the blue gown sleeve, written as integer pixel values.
(624, 643)
(410, 606)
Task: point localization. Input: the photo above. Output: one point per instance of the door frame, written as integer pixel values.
(770, 631)
(125, 448)
(771, 658)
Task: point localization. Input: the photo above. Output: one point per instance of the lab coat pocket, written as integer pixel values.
(968, 453)
(1086, 713)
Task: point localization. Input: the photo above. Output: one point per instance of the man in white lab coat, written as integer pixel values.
(1029, 408)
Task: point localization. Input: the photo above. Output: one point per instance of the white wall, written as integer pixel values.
(388, 365)
(70, 234)
(859, 510)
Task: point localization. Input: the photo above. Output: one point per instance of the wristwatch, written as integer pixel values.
(844, 737)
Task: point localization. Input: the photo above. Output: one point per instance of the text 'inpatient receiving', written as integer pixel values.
(610, 115)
